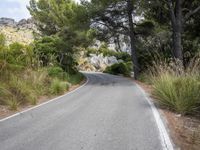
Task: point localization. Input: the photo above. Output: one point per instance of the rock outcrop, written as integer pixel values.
(24, 23)
(7, 22)
(21, 31)
(96, 62)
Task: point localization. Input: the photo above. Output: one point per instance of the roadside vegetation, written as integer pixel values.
(24, 78)
(177, 87)
(120, 69)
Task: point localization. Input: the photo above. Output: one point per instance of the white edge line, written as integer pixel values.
(164, 136)
(49, 101)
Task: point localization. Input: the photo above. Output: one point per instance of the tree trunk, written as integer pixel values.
(118, 43)
(177, 21)
(177, 44)
(132, 39)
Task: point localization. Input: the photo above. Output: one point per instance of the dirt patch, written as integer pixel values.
(184, 130)
(5, 112)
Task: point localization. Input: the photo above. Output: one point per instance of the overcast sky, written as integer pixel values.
(15, 9)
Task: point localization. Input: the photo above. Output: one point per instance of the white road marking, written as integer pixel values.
(164, 136)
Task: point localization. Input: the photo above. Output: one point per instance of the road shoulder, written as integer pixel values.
(183, 130)
(5, 113)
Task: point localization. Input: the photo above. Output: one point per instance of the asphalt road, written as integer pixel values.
(108, 113)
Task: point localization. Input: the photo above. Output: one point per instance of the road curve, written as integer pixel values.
(108, 113)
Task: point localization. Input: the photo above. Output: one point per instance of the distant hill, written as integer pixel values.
(21, 31)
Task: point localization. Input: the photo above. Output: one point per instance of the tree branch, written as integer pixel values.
(188, 15)
(171, 9)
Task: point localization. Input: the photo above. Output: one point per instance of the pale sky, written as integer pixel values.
(15, 9)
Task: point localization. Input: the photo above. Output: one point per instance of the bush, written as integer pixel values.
(177, 93)
(58, 87)
(55, 72)
(54, 50)
(118, 68)
(176, 87)
(75, 78)
(126, 57)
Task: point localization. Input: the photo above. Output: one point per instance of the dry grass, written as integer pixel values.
(175, 86)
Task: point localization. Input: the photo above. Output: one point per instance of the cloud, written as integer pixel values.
(15, 9)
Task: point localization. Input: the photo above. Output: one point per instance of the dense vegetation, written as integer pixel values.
(119, 69)
(24, 78)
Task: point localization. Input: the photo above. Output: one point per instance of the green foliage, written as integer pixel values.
(90, 51)
(58, 87)
(66, 26)
(129, 65)
(2, 40)
(52, 50)
(178, 93)
(145, 28)
(16, 54)
(118, 68)
(126, 57)
(75, 78)
(103, 49)
(176, 87)
(55, 71)
(153, 48)
(47, 49)
(53, 16)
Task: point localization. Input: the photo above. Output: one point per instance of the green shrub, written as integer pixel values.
(55, 72)
(58, 87)
(90, 51)
(126, 57)
(54, 50)
(180, 94)
(75, 78)
(129, 65)
(118, 68)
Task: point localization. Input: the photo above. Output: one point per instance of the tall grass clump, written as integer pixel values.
(13, 103)
(177, 87)
(58, 87)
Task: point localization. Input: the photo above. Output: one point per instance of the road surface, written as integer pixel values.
(108, 113)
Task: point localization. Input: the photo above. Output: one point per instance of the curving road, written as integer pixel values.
(108, 113)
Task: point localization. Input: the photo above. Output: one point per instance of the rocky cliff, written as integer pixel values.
(21, 31)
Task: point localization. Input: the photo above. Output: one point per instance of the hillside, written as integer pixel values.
(21, 31)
